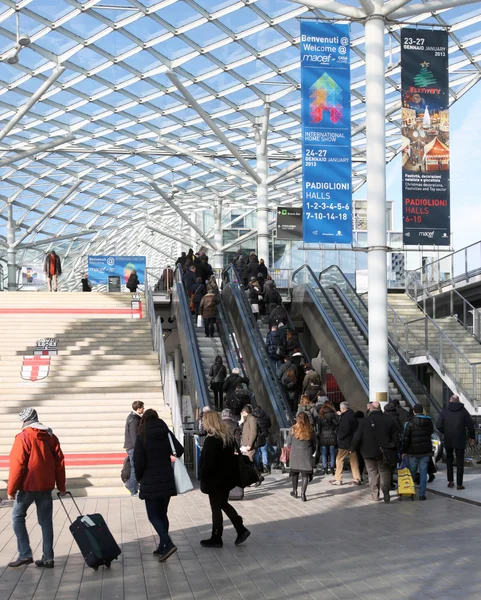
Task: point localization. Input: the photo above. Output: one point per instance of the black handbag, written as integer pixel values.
(248, 474)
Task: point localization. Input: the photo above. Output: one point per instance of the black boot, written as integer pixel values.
(215, 541)
(242, 532)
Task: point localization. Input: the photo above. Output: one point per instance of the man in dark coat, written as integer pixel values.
(277, 315)
(230, 384)
(273, 341)
(376, 438)
(403, 414)
(131, 429)
(454, 422)
(345, 432)
(264, 423)
(189, 280)
(418, 446)
(253, 267)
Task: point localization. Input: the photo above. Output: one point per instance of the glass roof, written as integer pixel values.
(131, 126)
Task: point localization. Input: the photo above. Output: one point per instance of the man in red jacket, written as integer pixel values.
(36, 465)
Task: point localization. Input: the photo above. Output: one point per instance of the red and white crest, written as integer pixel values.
(35, 368)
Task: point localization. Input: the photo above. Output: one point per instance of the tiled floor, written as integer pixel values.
(337, 545)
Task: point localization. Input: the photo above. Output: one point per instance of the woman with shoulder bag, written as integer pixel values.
(153, 468)
(328, 422)
(217, 375)
(302, 442)
(219, 474)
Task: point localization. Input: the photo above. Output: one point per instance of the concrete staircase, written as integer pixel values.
(104, 362)
(408, 310)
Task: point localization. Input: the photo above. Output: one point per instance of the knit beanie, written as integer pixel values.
(28, 414)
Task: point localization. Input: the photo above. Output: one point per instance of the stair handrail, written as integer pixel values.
(167, 371)
(444, 340)
(199, 391)
(283, 414)
(361, 377)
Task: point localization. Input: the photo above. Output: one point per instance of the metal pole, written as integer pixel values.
(376, 205)
(262, 190)
(37, 150)
(218, 255)
(11, 254)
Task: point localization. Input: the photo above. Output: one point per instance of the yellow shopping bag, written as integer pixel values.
(405, 483)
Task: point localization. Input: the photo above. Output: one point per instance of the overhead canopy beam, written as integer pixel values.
(23, 110)
(393, 5)
(167, 234)
(412, 10)
(368, 6)
(243, 238)
(206, 118)
(281, 174)
(157, 250)
(205, 160)
(54, 240)
(179, 211)
(335, 7)
(37, 150)
(47, 213)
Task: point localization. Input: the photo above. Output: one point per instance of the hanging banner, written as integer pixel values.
(326, 133)
(425, 137)
(100, 267)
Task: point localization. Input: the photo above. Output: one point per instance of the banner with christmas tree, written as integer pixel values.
(425, 137)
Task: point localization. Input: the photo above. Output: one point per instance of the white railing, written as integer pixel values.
(169, 385)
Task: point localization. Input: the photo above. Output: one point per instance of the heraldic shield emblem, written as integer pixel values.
(37, 367)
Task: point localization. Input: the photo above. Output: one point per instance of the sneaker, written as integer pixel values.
(46, 564)
(167, 551)
(335, 482)
(20, 562)
(451, 484)
(355, 482)
(460, 487)
(134, 495)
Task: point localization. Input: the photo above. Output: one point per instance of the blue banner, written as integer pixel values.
(100, 267)
(326, 133)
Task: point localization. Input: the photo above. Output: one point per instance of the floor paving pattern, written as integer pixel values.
(338, 545)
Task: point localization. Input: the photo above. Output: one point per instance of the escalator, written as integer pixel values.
(199, 351)
(337, 319)
(260, 369)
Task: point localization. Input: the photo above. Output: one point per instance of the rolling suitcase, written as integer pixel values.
(93, 537)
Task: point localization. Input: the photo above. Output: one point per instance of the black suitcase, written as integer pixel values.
(93, 537)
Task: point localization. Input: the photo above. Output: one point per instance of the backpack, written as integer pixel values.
(126, 470)
(261, 438)
(240, 398)
(289, 379)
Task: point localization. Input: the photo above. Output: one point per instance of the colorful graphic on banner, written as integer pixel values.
(33, 275)
(100, 267)
(425, 137)
(326, 133)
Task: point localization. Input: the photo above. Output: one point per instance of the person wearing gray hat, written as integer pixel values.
(34, 473)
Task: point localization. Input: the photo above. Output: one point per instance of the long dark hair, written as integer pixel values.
(149, 416)
(326, 408)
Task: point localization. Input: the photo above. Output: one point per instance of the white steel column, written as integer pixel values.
(218, 255)
(376, 205)
(262, 189)
(11, 253)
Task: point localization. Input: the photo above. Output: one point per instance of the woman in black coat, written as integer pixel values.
(198, 292)
(153, 469)
(133, 282)
(217, 375)
(328, 422)
(219, 473)
(302, 441)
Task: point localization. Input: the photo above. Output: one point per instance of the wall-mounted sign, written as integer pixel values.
(425, 137)
(326, 133)
(100, 267)
(289, 223)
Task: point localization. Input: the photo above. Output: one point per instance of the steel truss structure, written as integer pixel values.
(122, 121)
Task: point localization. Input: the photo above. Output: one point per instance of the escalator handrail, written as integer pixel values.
(273, 387)
(226, 335)
(349, 357)
(200, 388)
(363, 326)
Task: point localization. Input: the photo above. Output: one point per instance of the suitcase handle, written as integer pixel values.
(62, 503)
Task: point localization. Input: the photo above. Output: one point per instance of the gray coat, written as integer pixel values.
(301, 454)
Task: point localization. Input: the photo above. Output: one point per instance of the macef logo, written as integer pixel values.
(111, 261)
(344, 41)
(428, 234)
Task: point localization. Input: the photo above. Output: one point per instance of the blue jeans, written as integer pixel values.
(324, 452)
(43, 502)
(132, 484)
(157, 515)
(422, 462)
(261, 455)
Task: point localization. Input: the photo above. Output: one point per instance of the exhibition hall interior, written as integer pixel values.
(240, 275)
